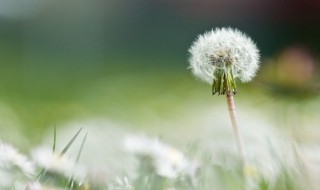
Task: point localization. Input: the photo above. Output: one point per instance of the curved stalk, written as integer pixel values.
(235, 126)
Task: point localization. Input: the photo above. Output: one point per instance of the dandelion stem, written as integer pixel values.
(235, 125)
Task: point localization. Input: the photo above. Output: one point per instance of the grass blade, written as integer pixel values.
(71, 182)
(81, 147)
(54, 139)
(70, 143)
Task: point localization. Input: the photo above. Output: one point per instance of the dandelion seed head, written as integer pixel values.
(223, 49)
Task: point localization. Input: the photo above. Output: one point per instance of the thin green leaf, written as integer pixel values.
(70, 143)
(71, 182)
(81, 148)
(54, 139)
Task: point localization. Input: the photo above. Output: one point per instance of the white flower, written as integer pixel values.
(10, 157)
(54, 162)
(168, 161)
(105, 143)
(220, 56)
(38, 186)
(34, 186)
(13, 164)
(120, 184)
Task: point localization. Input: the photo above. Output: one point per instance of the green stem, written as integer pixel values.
(224, 81)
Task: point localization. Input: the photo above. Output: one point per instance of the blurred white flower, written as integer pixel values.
(224, 54)
(120, 184)
(103, 154)
(34, 186)
(38, 186)
(13, 165)
(168, 161)
(61, 164)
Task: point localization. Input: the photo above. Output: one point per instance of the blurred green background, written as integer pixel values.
(127, 60)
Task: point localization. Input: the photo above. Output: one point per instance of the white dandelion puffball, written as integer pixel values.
(227, 50)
